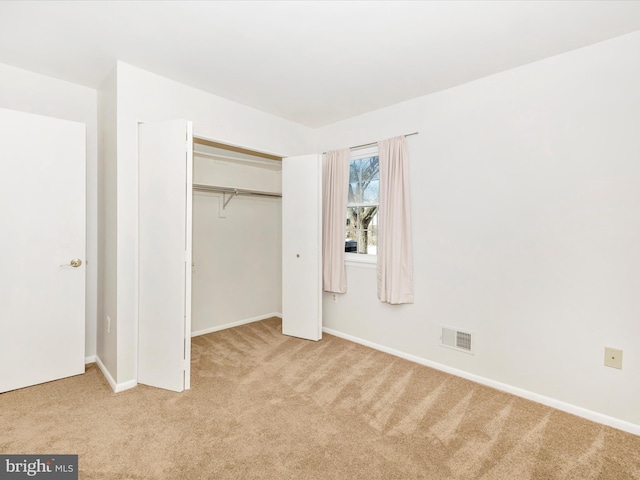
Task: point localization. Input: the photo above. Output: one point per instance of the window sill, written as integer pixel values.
(359, 260)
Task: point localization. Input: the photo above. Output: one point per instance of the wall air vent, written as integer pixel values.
(456, 339)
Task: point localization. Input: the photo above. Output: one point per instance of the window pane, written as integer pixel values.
(366, 216)
(371, 192)
(355, 193)
(363, 241)
(372, 241)
(352, 218)
(351, 242)
(354, 171)
(370, 169)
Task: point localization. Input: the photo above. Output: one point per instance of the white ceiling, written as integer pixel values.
(313, 62)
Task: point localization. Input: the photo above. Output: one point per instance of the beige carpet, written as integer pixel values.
(263, 405)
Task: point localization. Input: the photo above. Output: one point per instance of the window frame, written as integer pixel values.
(361, 258)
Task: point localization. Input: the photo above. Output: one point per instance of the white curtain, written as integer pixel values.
(395, 257)
(334, 192)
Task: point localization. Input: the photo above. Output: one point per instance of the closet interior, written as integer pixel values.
(237, 236)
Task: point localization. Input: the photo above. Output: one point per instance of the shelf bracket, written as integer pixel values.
(227, 200)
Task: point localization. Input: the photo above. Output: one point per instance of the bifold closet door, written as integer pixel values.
(302, 246)
(43, 237)
(165, 163)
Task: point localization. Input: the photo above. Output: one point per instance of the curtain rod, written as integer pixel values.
(374, 143)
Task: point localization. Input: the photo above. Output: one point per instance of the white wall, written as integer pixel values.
(237, 274)
(30, 92)
(526, 227)
(107, 228)
(525, 213)
(143, 96)
(243, 175)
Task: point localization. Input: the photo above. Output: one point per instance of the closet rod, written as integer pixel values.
(234, 191)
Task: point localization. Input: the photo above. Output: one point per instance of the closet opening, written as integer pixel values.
(213, 258)
(237, 236)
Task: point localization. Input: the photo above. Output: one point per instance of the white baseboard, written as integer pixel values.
(217, 328)
(121, 387)
(116, 387)
(89, 359)
(548, 401)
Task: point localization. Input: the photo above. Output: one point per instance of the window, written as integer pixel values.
(362, 203)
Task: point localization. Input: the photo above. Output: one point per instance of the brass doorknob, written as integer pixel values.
(75, 263)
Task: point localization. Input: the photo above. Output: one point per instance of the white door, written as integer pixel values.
(165, 155)
(302, 246)
(42, 240)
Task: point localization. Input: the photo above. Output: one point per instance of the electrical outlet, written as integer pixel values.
(108, 324)
(612, 357)
(334, 298)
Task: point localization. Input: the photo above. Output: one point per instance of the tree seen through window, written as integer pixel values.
(362, 206)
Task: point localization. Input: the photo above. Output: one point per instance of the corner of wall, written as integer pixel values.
(106, 335)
